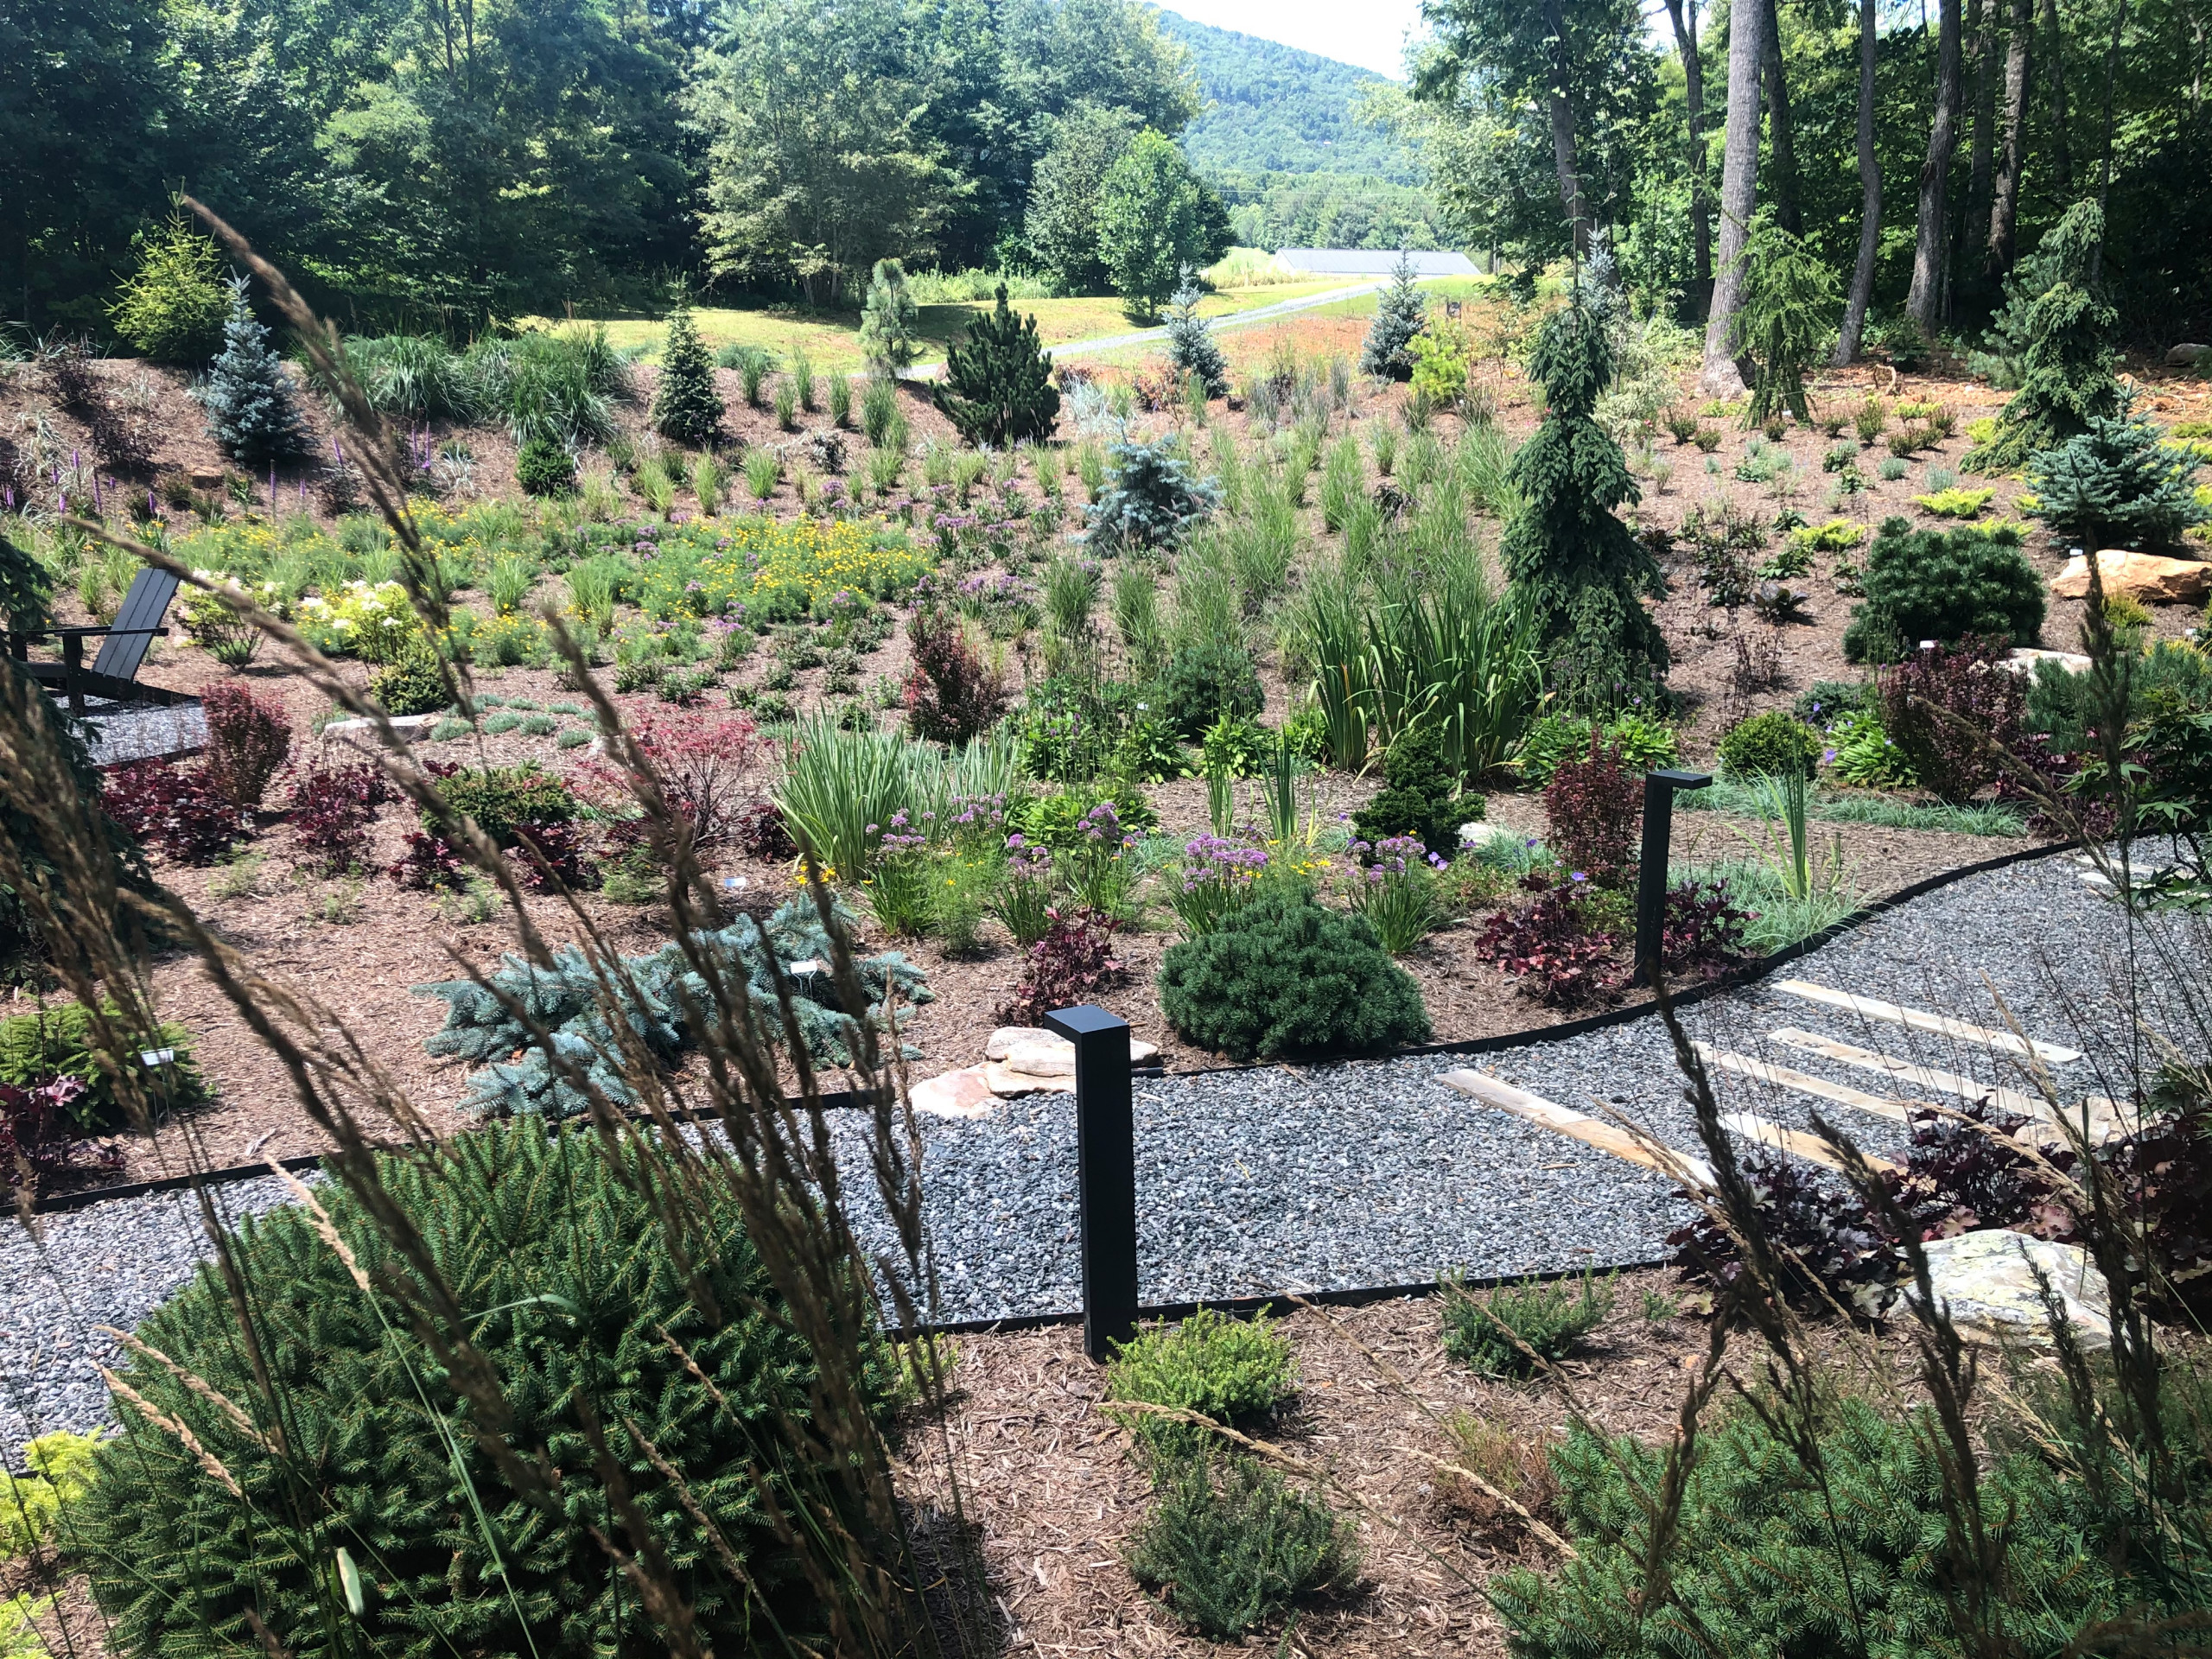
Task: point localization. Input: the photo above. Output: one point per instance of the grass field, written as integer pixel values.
(832, 338)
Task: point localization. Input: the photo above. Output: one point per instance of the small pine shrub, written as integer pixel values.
(1928, 584)
(413, 685)
(58, 1040)
(1593, 807)
(1417, 797)
(249, 738)
(172, 1555)
(951, 695)
(1549, 1318)
(502, 798)
(1772, 744)
(686, 408)
(1235, 1372)
(1399, 314)
(1233, 1544)
(545, 467)
(2059, 323)
(252, 412)
(1205, 682)
(889, 320)
(1285, 975)
(172, 306)
(1190, 346)
(997, 388)
(2117, 485)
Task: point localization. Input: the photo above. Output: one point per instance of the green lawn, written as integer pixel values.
(832, 339)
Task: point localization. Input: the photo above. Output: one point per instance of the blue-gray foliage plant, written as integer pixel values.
(1151, 499)
(1399, 315)
(252, 412)
(1190, 346)
(654, 996)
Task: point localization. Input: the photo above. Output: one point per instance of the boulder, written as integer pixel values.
(964, 1093)
(1988, 1282)
(2024, 660)
(2185, 355)
(2147, 576)
(1037, 1053)
(1480, 834)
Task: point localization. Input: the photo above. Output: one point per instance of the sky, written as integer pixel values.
(1371, 33)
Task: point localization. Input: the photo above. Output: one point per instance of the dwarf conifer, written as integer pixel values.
(686, 407)
(251, 413)
(1190, 344)
(1399, 315)
(998, 386)
(2066, 377)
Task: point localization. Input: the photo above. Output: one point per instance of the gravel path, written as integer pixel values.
(1311, 1177)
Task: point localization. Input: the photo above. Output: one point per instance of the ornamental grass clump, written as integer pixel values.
(1284, 976)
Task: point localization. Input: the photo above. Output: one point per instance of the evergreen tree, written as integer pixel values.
(1788, 297)
(998, 387)
(1399, 315)
(1577, 566)
(686, 406)
(1190, 346)
(2116, 485)
(2066, 378)
(888, 319)
(251, 413)
(171, 308)
(26, 588)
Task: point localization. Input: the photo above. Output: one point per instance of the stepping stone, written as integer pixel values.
(1798, 1144)
(2104, 1121)
(956, 1094)
(1872, 1008)
(1039, 1053)
(1820, 1088)
(1686, 1167)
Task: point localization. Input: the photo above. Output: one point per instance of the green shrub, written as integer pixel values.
(1151, 499)
(2116, 485)
(1284, 976)
(172, 306)
(1232, 1370)
(1207, 680)
(252, 411)
(413, 685)
(1771, 744)
(500, 797)
(1417, 797)
(545, 467)
(1056, 820)
(1233, 1544)
(1549, 1318)
(60, 1472)
(1399, 314)
(1939, 585)
(997, 388)
(1643, 744)
(59, 1042)
(686, 407)
(570, 1282)
(1757, 1565)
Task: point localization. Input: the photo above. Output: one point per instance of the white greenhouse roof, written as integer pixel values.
(1369, 261)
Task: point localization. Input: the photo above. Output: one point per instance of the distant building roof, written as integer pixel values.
(1366, 262)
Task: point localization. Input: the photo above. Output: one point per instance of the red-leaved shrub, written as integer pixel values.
(35, 1131)
(1593, 807)
(431, 863)
(760, 832)
(700, 766)
(952, 693)
(1071, 964)
(1551, 949)
(1953, 711)
(552, 854)
(1702, 933)
(179, 813)
(249, 738)
(332, 810)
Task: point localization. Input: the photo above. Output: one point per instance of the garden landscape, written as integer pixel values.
(861, 830)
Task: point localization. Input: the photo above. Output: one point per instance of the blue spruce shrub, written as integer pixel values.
(252, 413)
(1151, 498)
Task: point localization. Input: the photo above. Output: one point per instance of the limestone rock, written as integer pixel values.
(1037, 1052)
(1480, 834)
(1988, 1281)
(2150, 577)
(2024, 660)
(964, 1093)
(1007, 1083)
(1006, 1037)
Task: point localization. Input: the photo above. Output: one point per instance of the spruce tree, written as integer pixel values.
(1190, 346)
(1783, 323)
(1578, 567)
(251, 413)
(686, 407)
(2116, 485)
(888, 319)
(2066, 378)
(998, 387)
(1399, 315)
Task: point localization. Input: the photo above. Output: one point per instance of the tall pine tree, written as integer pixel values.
(1578, 567)
(998, 387)
(1399, 315)
(1190, 344)
(2066, 378)
(686, 407)
(252, 412)
(888, 319)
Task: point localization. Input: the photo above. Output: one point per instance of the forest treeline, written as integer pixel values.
(450, 163)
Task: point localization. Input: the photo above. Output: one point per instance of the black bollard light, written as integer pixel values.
(1659, 789)
(1106, 1174)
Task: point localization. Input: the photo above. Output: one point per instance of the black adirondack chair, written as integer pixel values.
(124, 642)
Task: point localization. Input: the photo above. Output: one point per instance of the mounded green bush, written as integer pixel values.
(1756, 1569)
(1204, 682)
(1231, 1370)
(1771, 744)
(413, 685)
(57, 1041)
(1416, 798)
(1233, 1544)
(545, 467)
(1943, 585)
(1285, 975)
(560, 1261)
(500, 797)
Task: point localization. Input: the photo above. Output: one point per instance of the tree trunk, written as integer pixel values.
(1570, 181)
(1740, 173)
(1685, 23)
(2104, 175)
(1870, 186)
(1924, 301)
(1985, 20)
(2004, 204)
(1780, 135)
(2062, 149)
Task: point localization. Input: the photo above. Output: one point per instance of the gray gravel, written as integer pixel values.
(1313, 1177)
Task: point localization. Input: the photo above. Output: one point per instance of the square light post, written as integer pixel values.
(1106, 1174)
(1659, 789)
